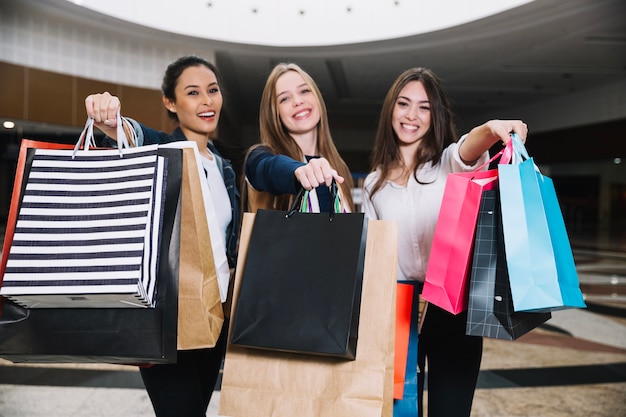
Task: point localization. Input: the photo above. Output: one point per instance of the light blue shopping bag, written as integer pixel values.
(541, 266)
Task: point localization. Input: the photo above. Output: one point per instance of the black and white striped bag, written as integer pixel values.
(87, 232)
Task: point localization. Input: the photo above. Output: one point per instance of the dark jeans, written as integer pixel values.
(453, 363)
(184, 389)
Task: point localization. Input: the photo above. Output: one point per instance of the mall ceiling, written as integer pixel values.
(540, 51)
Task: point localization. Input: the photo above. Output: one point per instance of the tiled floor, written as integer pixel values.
(573, 366)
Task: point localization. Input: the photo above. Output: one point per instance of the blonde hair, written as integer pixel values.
(275, 136)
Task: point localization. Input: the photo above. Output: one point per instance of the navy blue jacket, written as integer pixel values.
(267, 171)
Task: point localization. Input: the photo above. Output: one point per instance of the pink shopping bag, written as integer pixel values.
(450, 257)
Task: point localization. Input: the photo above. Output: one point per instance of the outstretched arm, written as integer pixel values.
(483, 137)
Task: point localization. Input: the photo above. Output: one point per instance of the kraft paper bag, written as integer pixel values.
(200, 312)
(255, 200)
(278, 384)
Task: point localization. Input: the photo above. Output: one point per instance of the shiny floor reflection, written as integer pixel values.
(574, 365)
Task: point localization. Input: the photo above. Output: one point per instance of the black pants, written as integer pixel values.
(453, 363)
(184, 389)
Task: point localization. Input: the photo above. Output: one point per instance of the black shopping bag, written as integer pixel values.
(107, 335)
(490, 304)
(301, 284)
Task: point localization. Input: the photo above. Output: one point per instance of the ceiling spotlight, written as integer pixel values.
(617, 161)
(8, 124)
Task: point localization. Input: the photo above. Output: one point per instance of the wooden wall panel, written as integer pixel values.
(12, 85)
(59, 99)
(49, 97)
(142, 104)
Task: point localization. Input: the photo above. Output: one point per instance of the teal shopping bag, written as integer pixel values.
(540, 262)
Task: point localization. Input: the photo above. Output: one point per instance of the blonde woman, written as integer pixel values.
(296, 148)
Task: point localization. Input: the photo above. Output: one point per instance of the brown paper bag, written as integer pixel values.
(255, 199)
(200, 313)
(263, 383)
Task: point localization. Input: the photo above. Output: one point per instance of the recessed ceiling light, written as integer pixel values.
(8, 124)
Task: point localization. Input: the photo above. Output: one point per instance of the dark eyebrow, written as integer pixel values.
(197, 86)
(408, 99)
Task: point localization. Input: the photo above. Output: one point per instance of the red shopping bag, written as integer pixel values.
(404, 306)
(25, 144)
(450, 257)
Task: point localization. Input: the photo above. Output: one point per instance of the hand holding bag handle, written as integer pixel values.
(301, 203)
(86, 140)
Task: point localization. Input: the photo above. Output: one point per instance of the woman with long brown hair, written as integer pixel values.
(414, 151)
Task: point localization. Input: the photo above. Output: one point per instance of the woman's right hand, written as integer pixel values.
(103, 109)
(317, 172)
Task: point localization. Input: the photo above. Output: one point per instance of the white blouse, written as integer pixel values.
(415, 207)
(219, 194)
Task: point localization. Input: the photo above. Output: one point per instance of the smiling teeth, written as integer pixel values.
(301, 114)
(207, 114)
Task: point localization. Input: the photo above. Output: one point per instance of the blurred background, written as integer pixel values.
(558, 65)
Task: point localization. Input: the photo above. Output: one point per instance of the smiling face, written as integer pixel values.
(297, 105)
(411, 118)
(198, 101)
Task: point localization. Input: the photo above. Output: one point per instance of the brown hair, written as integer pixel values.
(441, 133)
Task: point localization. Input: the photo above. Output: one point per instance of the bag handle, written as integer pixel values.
(518, 150)
(301, 202)
(513, 151)
(86, 140)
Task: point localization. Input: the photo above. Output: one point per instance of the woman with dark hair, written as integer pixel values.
(296, 149)
(192, 97)
(414, 151)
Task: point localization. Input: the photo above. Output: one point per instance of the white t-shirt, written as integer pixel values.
(219, 194)
(415, 207)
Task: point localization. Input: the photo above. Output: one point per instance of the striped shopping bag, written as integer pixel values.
(87, 231)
